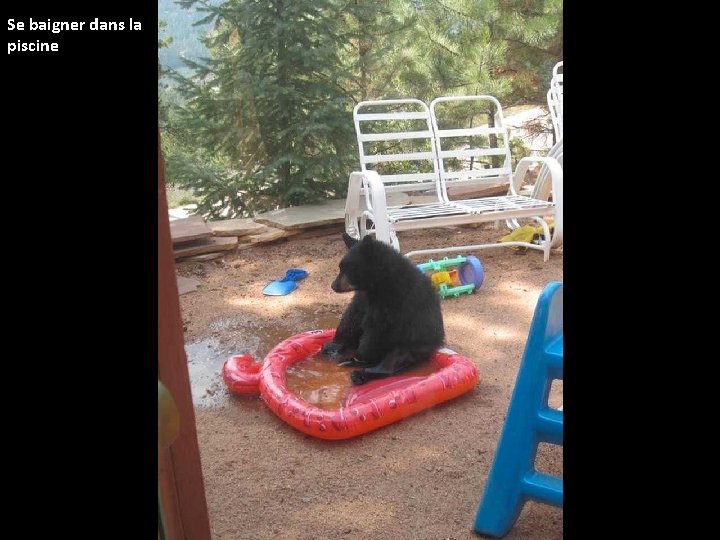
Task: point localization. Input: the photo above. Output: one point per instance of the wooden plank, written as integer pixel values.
(469, 192)
(192, 228)
(186, 285)
(236, 227)
(419, 198)
(302, 217)
(182, 496)
(325, 230)
(395, 198)
(270, 235)
(205, 245)
(326, 213)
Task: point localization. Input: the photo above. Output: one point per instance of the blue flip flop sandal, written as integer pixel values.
(286, 285)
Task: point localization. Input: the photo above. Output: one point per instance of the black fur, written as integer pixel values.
(394, 321)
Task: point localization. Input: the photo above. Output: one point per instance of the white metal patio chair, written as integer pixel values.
(555, 104)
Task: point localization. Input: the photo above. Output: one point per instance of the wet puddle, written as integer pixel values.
(239, 335)
(205, 360)
(320, 381)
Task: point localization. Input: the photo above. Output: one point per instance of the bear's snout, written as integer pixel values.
(341, 284)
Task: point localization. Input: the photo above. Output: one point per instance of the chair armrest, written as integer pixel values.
(553, 166)
(556, 176)
(376, 202)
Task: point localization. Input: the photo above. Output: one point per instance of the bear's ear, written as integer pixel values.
(349, 240)
(368, 245)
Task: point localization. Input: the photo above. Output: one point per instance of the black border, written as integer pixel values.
(82, 125)
(627, 108)
(80, 211)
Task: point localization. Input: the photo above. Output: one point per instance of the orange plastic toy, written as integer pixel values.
(367, 407)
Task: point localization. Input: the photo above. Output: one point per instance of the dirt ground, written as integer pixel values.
(418, 479)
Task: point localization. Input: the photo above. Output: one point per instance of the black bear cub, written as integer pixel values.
(394, 321)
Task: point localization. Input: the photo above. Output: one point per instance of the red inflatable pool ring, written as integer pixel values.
(368, 407)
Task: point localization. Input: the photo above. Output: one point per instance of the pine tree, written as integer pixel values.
(162, 43)
(266, 120)
(269, 112)
(379, 34)
(502, 48)
(505, 48)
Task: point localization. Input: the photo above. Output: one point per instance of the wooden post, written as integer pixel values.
(180, 481)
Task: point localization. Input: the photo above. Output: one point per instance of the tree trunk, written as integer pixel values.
(284, 119)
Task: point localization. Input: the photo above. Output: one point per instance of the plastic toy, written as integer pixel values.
(366, 407)
(453, 277)
(286, 285)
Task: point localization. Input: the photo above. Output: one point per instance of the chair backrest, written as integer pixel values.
(472, 141)
(558, 75)
(555, 104)
(395, 139)
(555, 100)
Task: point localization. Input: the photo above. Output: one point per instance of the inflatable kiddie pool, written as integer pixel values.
(365, 407)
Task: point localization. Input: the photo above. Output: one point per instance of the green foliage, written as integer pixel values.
(184, 24)
(504, 48)
(378, 36)
(180, 197)
(268, 111)
(518, 149)
(162, 87)
(219, 188)
(259, 113)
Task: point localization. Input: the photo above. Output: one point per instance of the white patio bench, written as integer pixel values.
(406, 147)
